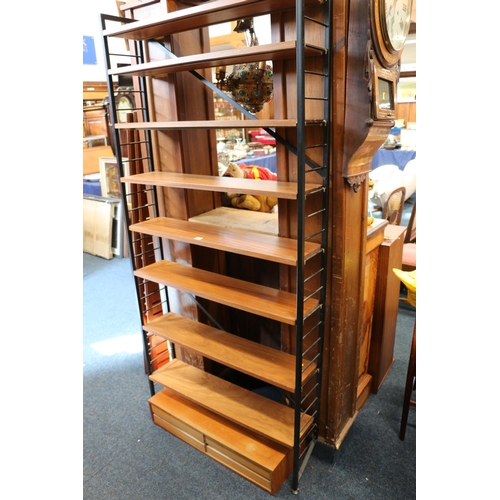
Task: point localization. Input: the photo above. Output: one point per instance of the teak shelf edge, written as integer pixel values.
(285, 190)
(264, 363)
(239, 241)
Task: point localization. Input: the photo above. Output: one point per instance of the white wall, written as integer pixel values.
(91, 27)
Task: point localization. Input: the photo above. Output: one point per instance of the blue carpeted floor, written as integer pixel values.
(127, 457)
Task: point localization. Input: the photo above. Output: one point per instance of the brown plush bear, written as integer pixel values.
(256, 203)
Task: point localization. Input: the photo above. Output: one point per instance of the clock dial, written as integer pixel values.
(390, 23)
(123, 106)
(397, 22)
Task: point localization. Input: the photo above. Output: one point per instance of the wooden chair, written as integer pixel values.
(393, 207)
(409, 261)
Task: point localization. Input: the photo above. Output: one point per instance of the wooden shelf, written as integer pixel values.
(272, 51)
(264, 363)
(250, 297)
(279, 189)
(256, 413)
(243, 220)
(215, 124)
(247, 432)
(259, 460)
(209, 13)
(239, 241)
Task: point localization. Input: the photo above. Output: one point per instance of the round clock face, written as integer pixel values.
(123, 106)
(396, 15)
(390, 23)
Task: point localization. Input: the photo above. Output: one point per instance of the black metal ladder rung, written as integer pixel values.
(317, 73)
(137, 159)
(163, 341)
(305, 335)
(153, 305)
(131, 144)
(149, 335)
(314, 413)
(314, 98)
(135, 108)
(125, 54)
(313, 294)
(319, 271)
(310, 347)
(314, 191)
(305, 396)
(313, 214)
(306, 366)
(152, 248)
(311, 236)
(306, 423)
(138, 191)
(306, 451)
(160, 355)
(315, 170)
(146, 253)
(321, 23)
(140, 238)
(141, 207)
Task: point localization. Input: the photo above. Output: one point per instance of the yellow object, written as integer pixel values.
(255, 203)
(255, 172)
(409, 279)
(370, 220)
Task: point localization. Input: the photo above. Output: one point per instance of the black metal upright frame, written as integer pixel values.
(301, 458)
(140, 106)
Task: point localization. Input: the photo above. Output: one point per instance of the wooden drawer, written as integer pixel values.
(253, 457)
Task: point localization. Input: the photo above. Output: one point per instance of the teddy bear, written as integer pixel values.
(256, 203)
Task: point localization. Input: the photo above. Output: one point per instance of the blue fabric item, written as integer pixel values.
(92, 187)
(268, 161)
(399, 157)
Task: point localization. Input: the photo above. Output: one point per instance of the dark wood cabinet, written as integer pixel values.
(385, 307)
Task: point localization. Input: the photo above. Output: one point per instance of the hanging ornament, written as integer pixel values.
(249, 84)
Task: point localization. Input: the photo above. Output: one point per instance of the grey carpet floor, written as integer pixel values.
(127, 457)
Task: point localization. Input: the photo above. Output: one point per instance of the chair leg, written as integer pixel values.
(410, 380)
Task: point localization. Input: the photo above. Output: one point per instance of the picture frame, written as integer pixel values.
(407, 89)
(110, 177)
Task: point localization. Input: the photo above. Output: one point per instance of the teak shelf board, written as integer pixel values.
(267, 454)
(202, 124)
(239, 241)
(263, 462)
(279, 189)
(269, 365)
(272, 51)
(250, 297)
(252, 411)
(199, 16)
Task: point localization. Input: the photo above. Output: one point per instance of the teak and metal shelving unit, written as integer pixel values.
(261, 438)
